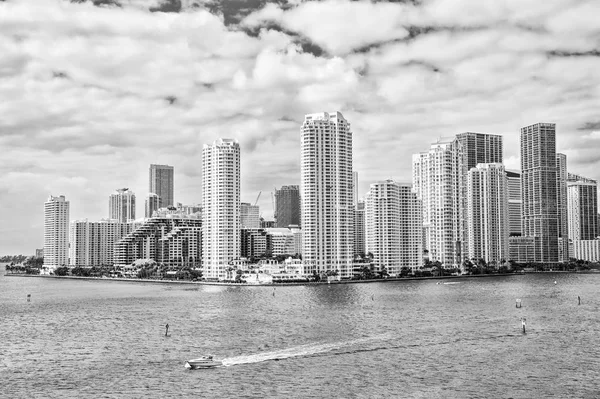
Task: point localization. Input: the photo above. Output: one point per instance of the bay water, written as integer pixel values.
(459, 338)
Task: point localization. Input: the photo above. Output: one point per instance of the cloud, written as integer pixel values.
(90, 95)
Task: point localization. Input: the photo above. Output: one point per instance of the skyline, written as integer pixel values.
(93, 95)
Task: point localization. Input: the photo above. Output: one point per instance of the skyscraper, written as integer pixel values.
(161, 184)
(121, 205)
(152, 204)
(287, 206)
(355, 188)
(56, 232)
(326, 190)
(249, 216)
(360, 243)
(513, 179)
(538, 189)
(393, 221)
(561, 202)
(220, 206)
(582, 196)
(474, 149)
(436, 183)
(487, 213)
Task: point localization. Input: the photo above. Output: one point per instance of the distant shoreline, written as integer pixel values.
(382, 280)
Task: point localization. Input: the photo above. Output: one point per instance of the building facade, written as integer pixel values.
(249, 216)
(561, 203)
(121, 205)
(161, 182)
(393, 219)
(513, 179)
(220, 206)
(152, 204)
(582, 194)
(360, 243)
(171, 239)
(487, 213)
(56, 232)
(436, 183)
(539, 189)
(93, 243)
(326, 190)
(287, 206)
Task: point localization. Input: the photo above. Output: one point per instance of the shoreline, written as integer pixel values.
(333, 282)
(213, 283)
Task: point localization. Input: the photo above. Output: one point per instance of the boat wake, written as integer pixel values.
(298, 351)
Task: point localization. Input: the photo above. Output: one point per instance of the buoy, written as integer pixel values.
(518, 305)
(523, 324)
(167, 330)
(28, 297)
(555, 282)
(579, 299)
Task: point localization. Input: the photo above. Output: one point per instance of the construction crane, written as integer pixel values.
(256, 202)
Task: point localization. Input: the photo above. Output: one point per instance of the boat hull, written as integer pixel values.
(202, 364)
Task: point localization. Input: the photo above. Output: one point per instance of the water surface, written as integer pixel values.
(79, 338)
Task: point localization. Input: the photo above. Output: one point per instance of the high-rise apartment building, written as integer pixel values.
(161, 182)
(152, 204)
(561, 203)
(220, 206)
(93, 243)
(170, 238)
(121, 205)
(487, 213)
(249, 216)
(355, 188)
(513, 179)
(56, 232)
(436, 183)
(393, 221)
(360, 243)
(539, 189)
(440, 181)
(287, 206)
(475, 148)
(582, 196)
(326, 190)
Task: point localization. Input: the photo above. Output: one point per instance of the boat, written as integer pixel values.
(204, 362)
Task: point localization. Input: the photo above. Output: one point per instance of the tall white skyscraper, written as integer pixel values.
(249, 216)
(539, 189)
(161, 182)
(221, 206)
(561, 201)
(56, 232)
(436, 183)
(121, 205)
(326, 190)
(394, 223)
(487, 213)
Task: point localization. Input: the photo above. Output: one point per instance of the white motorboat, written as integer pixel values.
(204, 362)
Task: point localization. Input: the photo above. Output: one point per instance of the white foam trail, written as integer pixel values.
(297, 351)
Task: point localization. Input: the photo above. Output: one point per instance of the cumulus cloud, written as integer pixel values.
(92, 92)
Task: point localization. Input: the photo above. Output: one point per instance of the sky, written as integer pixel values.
(93, 92)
